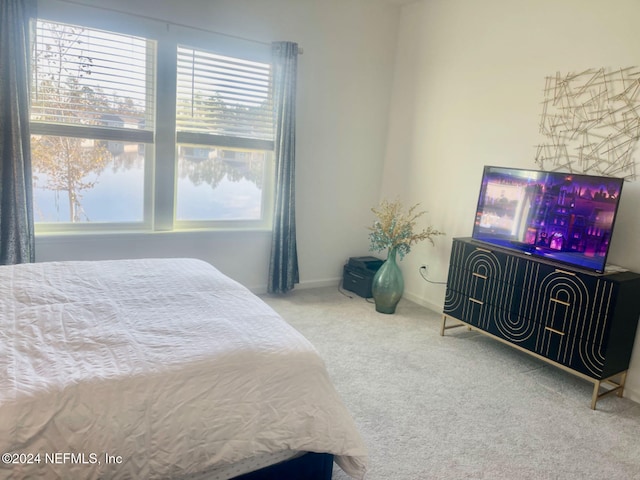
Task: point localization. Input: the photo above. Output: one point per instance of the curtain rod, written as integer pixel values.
(175, 24)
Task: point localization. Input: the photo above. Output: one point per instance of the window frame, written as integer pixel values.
(161, 159)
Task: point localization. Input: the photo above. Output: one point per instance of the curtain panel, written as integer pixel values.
(283, 265)
(16, 212)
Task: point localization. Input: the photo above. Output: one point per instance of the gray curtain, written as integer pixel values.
(283, 266)
(16, 217)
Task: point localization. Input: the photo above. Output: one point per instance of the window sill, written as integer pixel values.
(67, 235)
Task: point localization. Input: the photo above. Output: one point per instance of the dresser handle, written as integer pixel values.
(554, 331)
(484, 277)
(476, 301)
(565, 272)
(561, 302)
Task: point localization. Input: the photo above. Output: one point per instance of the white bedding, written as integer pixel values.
(165, 365)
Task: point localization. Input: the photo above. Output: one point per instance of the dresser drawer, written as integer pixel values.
(514, 328)
(584, 357)
(487, 290)
(462, 307)
(475, 257)
(579, 306)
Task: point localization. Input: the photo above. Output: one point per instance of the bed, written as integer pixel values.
(159, 368)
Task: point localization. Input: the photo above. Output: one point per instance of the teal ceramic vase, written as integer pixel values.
(388, 284)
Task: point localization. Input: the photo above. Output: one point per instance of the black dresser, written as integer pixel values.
(582, 322)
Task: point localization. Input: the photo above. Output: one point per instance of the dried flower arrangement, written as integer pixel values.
(394, 228)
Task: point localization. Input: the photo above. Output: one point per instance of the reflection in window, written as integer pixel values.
(85, 180)
(217, 184)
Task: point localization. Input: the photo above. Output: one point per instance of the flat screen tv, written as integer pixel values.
(564, 217)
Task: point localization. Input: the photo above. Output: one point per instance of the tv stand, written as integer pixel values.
(581, 322)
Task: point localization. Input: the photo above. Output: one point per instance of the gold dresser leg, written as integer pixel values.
(617, 388)
(444, 326)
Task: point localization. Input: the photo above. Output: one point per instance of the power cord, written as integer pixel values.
(423, 274)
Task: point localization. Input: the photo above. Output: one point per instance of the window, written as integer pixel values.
(225, 136)
(92, 123)
(97, 107)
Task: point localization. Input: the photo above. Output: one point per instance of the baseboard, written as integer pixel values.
(336, 282)
(421, 301)
(262, 290)
(329, 282)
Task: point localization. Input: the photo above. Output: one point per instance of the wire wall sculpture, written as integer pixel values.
(592, 122)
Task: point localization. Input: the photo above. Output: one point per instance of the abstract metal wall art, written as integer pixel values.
(591, 121)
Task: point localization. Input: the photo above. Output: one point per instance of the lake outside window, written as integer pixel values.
(95, 105)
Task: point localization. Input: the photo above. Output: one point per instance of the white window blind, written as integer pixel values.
(223, 101)
(92, 126)
(100, 81)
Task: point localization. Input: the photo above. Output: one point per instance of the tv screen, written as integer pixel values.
(565, 217)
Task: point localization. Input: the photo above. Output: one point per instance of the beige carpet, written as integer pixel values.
(462, 406)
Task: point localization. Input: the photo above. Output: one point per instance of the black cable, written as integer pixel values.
(343, 292)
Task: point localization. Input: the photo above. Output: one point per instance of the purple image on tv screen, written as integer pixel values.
(561, 216)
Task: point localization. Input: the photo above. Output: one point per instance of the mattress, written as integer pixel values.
(155, 368)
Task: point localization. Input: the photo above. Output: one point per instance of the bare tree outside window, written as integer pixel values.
(69, 90)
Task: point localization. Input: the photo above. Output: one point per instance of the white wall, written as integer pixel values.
(467, 93)
(345, 78)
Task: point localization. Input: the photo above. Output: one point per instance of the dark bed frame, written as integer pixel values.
(310, 466)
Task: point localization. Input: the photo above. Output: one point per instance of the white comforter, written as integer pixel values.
(154, 369)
